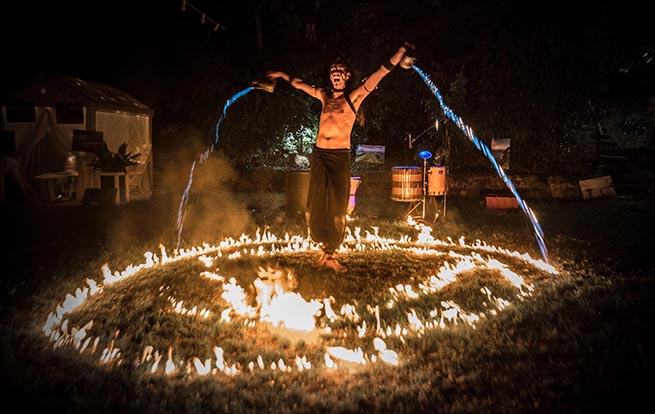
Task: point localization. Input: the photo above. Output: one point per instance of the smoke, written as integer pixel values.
(214, 209)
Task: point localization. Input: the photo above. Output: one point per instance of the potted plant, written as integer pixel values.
(107, 161)
(113, 169)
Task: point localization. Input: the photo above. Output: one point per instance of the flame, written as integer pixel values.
(291, 311)
(155, 365)
(386, 355)
(207, 261)
(279, 305)
(235, 296)
(202, 368)
(329, 363)
(170, 365)
(302, 363)
(339, 352)
(329, 312)
(220, 362)
(212, 276)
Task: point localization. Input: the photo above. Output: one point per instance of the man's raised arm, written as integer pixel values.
(293, 81)
(372, 81)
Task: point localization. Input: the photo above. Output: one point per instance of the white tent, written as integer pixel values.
(44, 112)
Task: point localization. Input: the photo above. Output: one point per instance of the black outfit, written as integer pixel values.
(328, 195)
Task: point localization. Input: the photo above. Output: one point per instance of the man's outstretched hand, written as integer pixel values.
(410, 49)
(409, 58)
(275, 75)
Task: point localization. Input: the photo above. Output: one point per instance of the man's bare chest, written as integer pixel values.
(335, 105)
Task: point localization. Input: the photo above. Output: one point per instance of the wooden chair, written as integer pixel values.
(135, 172)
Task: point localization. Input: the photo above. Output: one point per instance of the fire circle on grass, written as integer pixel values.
(257, 303)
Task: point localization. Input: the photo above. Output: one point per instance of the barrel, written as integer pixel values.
(297, 186)
(354, 184)
(436, 181)
(406, 183)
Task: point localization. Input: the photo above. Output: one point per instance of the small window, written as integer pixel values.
(70, 114)
(21, 113)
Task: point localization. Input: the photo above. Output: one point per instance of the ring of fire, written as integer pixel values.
(191, 313)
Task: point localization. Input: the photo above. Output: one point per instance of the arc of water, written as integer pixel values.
(481, 146)
(201, 159)
(227, 105)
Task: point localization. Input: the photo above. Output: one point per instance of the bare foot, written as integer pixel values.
(321, 262)
(334, 264)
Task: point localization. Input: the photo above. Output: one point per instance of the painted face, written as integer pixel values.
(338, 76)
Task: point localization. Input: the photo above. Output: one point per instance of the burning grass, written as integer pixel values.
(206, 305)
(572, 341)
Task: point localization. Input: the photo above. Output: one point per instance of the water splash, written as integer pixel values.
(181, 213)
(539, 235)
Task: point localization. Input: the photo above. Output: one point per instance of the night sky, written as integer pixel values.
(98, 41)
(128, 44)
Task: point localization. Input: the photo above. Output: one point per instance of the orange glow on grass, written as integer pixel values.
(280, 306)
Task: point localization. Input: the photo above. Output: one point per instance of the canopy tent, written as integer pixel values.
(45, 112)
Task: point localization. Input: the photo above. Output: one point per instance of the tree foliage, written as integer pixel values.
(506, 68)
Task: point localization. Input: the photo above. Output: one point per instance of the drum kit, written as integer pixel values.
(420, 187)
(414, 184)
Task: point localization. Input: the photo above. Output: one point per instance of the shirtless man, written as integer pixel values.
(329, 176)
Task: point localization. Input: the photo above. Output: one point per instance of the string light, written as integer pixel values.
(203, 16)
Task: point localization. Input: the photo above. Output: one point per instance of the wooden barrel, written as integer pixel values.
(406, 183)
(297, 186)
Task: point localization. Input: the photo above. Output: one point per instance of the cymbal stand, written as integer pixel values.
(423, 202)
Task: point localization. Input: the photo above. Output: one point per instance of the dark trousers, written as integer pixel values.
(327, 197)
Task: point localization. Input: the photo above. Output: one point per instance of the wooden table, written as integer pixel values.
(117, 180)
(52, 184)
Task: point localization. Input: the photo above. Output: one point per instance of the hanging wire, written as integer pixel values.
(424, 131)
(203, 16)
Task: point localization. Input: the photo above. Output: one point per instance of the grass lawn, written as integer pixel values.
(578, 339)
